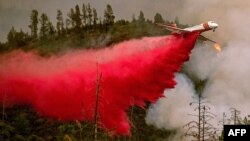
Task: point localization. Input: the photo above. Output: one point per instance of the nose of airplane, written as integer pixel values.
(214, 25)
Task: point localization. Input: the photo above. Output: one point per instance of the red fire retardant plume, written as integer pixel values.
(63, 87)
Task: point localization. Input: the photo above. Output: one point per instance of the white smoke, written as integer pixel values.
(228, 84)
(172, 111)
(228, 73)
(198, 63)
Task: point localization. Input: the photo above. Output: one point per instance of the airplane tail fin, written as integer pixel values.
(172, 25)
(173, 28)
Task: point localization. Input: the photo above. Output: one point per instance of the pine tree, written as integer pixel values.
(141, 17)
(89, 15)
(17, 39)
(77, 17)
(100, 23)
(11, 35)
(59, 24)
(44, 26)
(21, 38)
(51, 29)
(71, 16)
(158, 18)
(95, 18)
(109, 16)
(34, 23)
(84, 15)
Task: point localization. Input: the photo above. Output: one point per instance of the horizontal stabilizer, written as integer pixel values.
(203, 38)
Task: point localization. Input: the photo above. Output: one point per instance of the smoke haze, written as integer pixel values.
(173, 107)
(228, 73)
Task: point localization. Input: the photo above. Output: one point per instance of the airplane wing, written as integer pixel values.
(173, 29)
(203, 38)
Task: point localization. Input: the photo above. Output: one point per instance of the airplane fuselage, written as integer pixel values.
(210, 25)
(203, 27)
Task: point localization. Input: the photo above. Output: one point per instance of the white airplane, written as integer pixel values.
(211, 25)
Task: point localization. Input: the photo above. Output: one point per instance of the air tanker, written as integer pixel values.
(210, 25)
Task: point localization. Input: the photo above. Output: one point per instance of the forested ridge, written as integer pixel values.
(82, 27)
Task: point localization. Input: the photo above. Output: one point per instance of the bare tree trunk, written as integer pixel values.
(199, 118)
(98, 79)
(3, 107)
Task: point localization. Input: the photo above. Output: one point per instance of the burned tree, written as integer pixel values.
(98, 80)
(235, 116)
(224, 119)
(201, 129)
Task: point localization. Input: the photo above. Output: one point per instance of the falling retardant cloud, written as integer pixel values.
(64, 87)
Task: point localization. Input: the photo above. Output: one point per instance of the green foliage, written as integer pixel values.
(71, 19)
(60, 24)
(77, 18)
(2, 47)
(6, 130)
(35, 138)
(11, 35)
(95, 18)
(246, 121)
(45, 26)
(221, 137)
(141, 18)
(109, 16)
(66, 132)
(37, 128)
(34, 23)
(17, 39)
(89, 15)
(158, 18)
(21, 123)
(84, 15)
